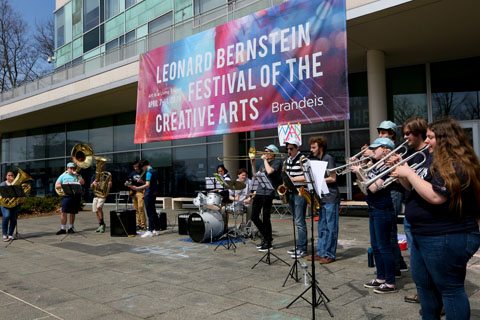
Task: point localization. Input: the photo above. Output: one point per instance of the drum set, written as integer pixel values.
(211, 220)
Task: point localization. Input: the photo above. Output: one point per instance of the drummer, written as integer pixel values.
(223, 172)
(242, 195)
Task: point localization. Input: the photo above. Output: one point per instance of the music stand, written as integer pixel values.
(293, 273)
(322, 298)
(212, 183)
(267, 185)
(72, 190)
(9, 192)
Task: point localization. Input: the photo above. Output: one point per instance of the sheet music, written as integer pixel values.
(318, 172)
(211, 183)
(264, 181)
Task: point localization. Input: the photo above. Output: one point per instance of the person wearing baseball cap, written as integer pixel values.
(70, 203)
(387, 129)
(382, 217)
(264, 198)
(298, 204)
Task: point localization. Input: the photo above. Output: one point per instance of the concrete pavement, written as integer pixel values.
(88, 275)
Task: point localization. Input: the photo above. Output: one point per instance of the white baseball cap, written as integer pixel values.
(293, 140)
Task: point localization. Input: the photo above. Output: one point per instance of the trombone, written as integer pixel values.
(252, 154)
(363, 185)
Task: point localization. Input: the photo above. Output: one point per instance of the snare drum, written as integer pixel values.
(199, 201)
(204, 226)
(236, 207)
(213, 201)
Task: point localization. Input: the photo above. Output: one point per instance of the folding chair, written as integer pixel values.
(120, 197)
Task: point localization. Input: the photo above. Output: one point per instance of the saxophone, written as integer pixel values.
(20, 179)
(282, 189)
(304, 193)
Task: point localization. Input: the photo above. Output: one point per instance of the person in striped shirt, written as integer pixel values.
(298, 204)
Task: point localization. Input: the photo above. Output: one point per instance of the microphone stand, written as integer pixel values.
(322, 298)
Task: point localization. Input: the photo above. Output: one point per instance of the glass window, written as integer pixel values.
(100, 135)
(59, 28)
(77, 132)
(91, 14)
(160, 23)
(124, 132)
(18, 146)
(358, 91)
(406, 93)
(161, 160)
(54, 168)
(121, 168)
(102, 34)
(129, 3)
(55, 141)
(112, 8)
(102, 11)
(91, 40)
(190, 169)
(130, 37)
(111, 45)
(456, 89)
(201, 6)
(5, 147)
(77, 18)
(182, 142)
(37, 170)
(36, 144)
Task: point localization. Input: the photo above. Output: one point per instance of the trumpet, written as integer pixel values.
(363, 185)
(252, 154)
(375, 167)
(346, 168)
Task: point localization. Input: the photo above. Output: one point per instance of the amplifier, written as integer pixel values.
(183, 223)
(162, 217)
(122, 223)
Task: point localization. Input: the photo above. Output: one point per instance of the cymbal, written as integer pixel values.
(235, 185)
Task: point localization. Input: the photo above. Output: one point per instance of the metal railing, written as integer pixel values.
(198, 23)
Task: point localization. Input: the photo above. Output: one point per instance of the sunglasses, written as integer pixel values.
(290, 148)
(407, 133)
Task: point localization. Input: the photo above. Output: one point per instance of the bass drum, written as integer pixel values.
(205, 226)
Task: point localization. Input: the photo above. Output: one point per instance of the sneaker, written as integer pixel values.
(403, 267)
(372, 284)
(261, 244)
(300, 254)
(11, 238)
(414, 298)
(156, 233)
(147, 234)
(266, 246)
(398, 274)
(5, 239)
(70, 230)
(383, 288)
(291, 251)
(98, 229)
(61, 231)
(102, 228)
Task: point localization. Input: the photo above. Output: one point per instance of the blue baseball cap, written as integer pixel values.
(70, 165)
(272, 148)
(387, 125)
(385, 142)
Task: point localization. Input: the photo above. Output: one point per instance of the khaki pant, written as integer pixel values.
(139, 205)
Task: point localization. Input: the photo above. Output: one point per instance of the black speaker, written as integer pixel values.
(122, 223)
(162, 217)
(183, 223)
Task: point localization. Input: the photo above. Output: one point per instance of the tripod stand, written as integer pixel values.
(268, 260)
(293, 273)
(322, 298)
(17, 236)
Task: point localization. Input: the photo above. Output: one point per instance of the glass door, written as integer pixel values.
(472, 130)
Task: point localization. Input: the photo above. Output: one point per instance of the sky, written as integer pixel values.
(34, 10)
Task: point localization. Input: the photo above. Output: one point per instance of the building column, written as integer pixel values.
(377, 91)
(230, 148)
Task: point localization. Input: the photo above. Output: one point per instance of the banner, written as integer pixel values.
(284, 64)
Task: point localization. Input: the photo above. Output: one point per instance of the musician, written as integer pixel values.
(70, 203)
(263, 198)
(243, 195)
(151, 190)
(9, 215)
(223, 172)
(387, 129)
(382, 216)
(298, 204)
(135, 178)
(328, 219)
(97, 205)
(443, 209)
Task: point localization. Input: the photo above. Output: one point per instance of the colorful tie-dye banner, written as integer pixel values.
(284, 64)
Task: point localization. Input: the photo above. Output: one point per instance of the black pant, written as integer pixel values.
(265, 227)
(153, 221)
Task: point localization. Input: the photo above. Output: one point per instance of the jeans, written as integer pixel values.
(298, 205)
(397, 198)
(408, 233)
(153, 221)
(439, 266)
(9, 220)
(328, 230)
(380, 240)
(265, 227)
